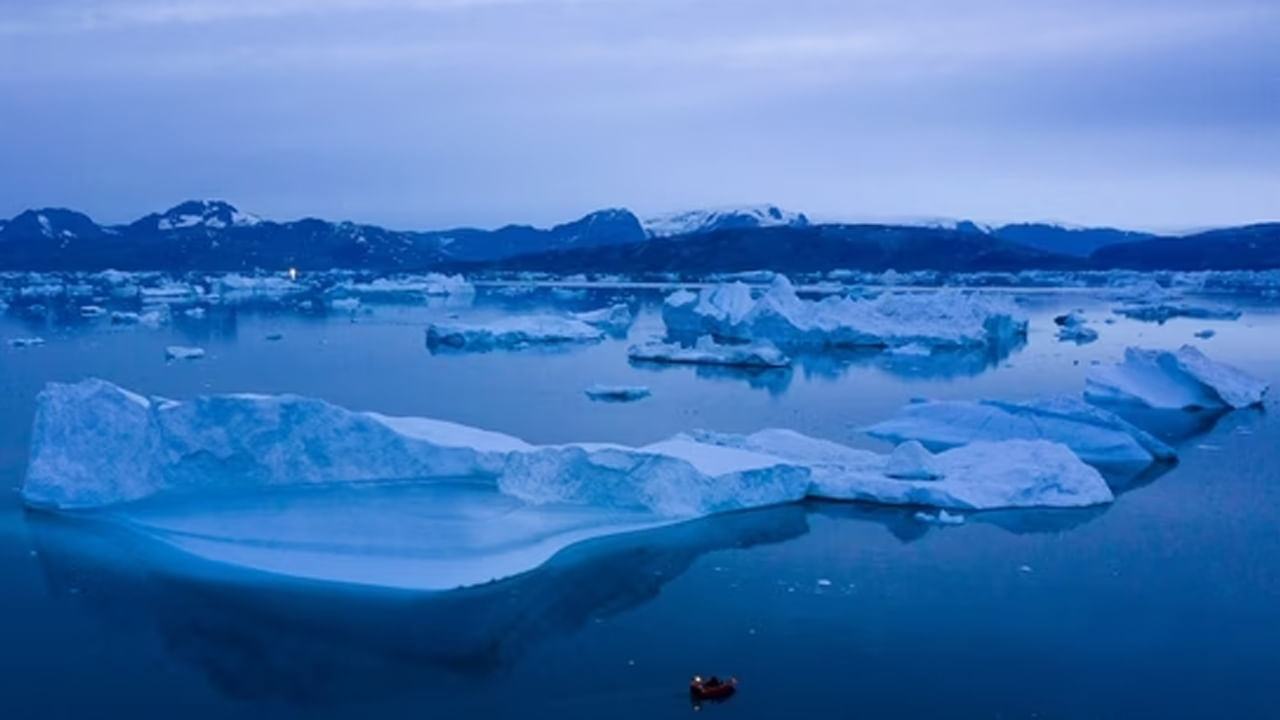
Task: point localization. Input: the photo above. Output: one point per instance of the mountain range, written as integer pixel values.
(215, 236)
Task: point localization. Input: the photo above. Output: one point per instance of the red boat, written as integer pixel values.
(712, 688)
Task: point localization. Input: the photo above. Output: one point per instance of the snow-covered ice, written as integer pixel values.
(1185, 379)
(182, 352)
(1098, 436)
(617, 393)
(511, 332)
(934, 319)
(706, 351)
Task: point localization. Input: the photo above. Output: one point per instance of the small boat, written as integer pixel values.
(712, 688)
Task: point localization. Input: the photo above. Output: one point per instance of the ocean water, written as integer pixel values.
(1163, 604)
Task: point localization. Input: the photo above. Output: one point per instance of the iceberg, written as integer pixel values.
(707, 352)
(238, 287)
(1072, 328)
(936, 319)
(345, 304)
(1184, 379)
(511, 332)
(1098, 436)
(911, 461)
(617, 393)
(406, 288)
(95, 444)
(182, 352)
(977, 476)
(1163, 312)
(195, 313)
(168, 292)
(615, 319)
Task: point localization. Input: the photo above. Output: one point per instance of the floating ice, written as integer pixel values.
(95, 444)
(92, 311)
(1205, 334)
(1099, 437)
(707, 352)
(616, 318)
(168, 292)
(182, 352)
(406, 288)
(942, 517)
(345, 304)
(1162, 312)
(978, 476)
(195, 313)
(935, 319)
(511, 332)
(1185, 379)
(236, 287)
(1072, 327)
(26, 342)
(617, 393)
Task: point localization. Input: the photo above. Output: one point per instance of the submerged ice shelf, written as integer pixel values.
(97, 446)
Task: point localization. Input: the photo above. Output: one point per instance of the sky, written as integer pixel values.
(416, 114)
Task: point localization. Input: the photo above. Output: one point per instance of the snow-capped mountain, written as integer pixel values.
(692, 222)
(206, 214)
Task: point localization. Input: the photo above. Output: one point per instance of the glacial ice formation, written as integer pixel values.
(1098, 436)
(1184, 379)
(706, 351)
(935, 319)
(511, 332)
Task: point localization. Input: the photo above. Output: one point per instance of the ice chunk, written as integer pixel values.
(912, 350)
(1162, 312)
(1079, 334)
(617, 393)
(345, 304)
(934, 319)
(1205, 334)
(122, 317)
(616, 318)
(26, 342)
(182, 352)
(911, 461)
(92, 311)
(942, 517)
(195, 313)
(169, 292)
(1099, 437)
(978, 476)
(675, 478)
(511, 332)
(707, 352)
(1184, 379)
(235, 287)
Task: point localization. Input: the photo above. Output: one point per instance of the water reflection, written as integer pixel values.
(310, 643)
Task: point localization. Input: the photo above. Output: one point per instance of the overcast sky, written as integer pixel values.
(428, 113)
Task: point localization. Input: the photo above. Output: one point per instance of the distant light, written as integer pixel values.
(293, 273)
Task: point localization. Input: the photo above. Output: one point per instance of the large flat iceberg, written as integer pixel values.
(934, 319)
(1184, 379)
(511, 332)
(1098, 436)
(95, 444)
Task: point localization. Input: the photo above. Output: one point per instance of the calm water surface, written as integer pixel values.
(1163, 605)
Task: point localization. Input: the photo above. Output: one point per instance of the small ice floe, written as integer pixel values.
(617, 393)
(195, 313)
(1182, 379)
(346, 304)
(92, 311)
(26, 342)
(1206, 334)
(1072, 327)
(823, 582)
(616, 318)
(182, 352)
(707, 352)
(1163, 312)
(1025, 569)
(511, 332)
(941, 517)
